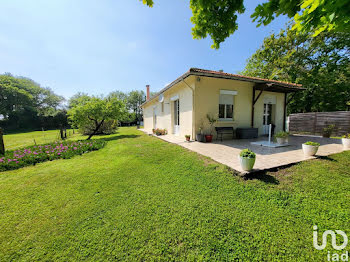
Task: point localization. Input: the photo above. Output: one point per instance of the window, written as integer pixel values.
(226, 105)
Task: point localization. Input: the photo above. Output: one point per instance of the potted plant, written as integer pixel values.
(327, 131)
(188, 137)
(346, 141)
(160, 132)
(199, 135)
(310, 148)
(247, 159)
(282, 137)
(212, 120)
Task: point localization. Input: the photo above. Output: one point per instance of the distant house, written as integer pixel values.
(238, 101)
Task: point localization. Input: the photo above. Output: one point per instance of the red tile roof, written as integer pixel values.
(218, 74)
(198, 70)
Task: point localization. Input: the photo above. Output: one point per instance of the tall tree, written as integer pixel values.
(23, 99)
(218, 18)
(321, 64)
(134, 100)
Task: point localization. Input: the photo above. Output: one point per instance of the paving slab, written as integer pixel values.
(227, 151)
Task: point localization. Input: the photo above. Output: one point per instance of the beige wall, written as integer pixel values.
(203, 95)
(165, 119)
(207, 101)
(277, 115)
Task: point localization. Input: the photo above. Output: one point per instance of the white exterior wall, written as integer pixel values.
(165, 119)
(206, 100)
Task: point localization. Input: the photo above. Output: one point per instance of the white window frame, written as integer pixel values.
(228, 92)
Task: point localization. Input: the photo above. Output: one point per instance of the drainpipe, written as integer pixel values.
(284, 111)
(193, 107)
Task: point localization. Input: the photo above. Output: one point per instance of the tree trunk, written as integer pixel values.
(96, 129)
(2, 146)
(61, 132)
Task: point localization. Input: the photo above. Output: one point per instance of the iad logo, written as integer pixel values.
(334, 256)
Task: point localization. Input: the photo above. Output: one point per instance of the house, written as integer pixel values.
(238, 101)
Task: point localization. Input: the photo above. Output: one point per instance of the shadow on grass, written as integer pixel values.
(262, 176)
(327, 158)
(114, 137)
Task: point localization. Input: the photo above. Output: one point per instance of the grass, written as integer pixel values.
(17, 140)
(142, 199)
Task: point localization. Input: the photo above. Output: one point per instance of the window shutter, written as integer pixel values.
(226, 99)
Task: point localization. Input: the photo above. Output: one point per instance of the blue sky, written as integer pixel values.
(102, 46)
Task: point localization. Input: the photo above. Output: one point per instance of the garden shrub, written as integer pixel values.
(247, 153)
(160, 132)
(310, 143)
(47, 152)
(107, 128)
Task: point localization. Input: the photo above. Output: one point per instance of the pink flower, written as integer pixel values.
(75, 148)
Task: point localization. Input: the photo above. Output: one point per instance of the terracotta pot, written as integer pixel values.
(247, 164)
(188, 139)
(309, 150)
(346, 143)
(208, 138)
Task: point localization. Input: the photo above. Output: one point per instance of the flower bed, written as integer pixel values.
(47, 152)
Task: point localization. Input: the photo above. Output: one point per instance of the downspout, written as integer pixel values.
(253, 103)
(285, 112)
(193, 107)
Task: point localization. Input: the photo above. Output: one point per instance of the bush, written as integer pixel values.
(327, 131)
(246, 153)
(47, 152)
(282, 134)
(310, 143)
(159, 131)
(347, 136)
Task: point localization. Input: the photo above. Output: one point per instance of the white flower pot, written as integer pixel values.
(310, 150)
(247, 164)
(346, 143)
(282, 140)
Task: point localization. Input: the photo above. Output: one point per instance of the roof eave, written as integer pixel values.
(286, 88)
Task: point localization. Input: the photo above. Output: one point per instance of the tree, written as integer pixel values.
(23, 101)
(120, 95)
(95, 111)
(77, 99)
(218, 18)
(134, 101)
(321, 64)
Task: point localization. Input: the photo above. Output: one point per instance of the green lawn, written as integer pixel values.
(13, 141)
(140, 198)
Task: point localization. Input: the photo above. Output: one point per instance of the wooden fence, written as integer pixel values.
(314, 123)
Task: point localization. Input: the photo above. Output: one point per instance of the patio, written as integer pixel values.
(227, 151)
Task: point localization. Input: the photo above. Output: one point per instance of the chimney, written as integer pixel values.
(147, 92)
